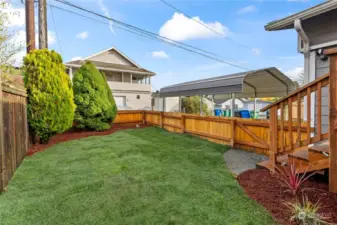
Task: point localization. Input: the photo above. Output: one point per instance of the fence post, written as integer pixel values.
(333, 119)
(161, 119)
(144, 117)
(2, 147)
(233, 133)
(273, 137)
(182, 124)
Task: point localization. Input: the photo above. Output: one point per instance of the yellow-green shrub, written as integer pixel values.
(51, 105)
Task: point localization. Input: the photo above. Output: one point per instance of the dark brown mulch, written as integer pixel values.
(266, 189)
(74, 134)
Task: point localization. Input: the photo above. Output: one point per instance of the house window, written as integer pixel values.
(138, 96)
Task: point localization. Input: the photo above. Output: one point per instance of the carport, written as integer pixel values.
(268, 82)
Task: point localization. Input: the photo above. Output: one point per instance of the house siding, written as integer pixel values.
(322, 68)
(111, 56)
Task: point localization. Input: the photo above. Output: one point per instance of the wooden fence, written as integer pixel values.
(13, 130)
(248, 134)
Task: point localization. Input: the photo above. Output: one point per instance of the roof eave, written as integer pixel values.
(287, 22)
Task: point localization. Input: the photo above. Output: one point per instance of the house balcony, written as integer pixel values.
(129, 87)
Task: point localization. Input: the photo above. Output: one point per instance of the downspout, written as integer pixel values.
(306, 53)
(306, 42)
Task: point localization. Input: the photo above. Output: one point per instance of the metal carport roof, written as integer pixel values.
(268, 82)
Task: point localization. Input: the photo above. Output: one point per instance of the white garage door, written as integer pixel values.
(120, 101)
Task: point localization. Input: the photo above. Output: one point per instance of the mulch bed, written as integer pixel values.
(266, 189)
(74, 134)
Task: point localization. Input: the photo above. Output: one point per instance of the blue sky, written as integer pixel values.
(241, 21)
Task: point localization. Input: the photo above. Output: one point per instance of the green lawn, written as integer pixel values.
(141, 176)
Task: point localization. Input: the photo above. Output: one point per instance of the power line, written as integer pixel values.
(131, 26)
(58, 39)
(153, 35)
(204, 25)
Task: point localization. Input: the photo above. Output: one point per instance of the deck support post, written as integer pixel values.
(332, 119)
(273, 137)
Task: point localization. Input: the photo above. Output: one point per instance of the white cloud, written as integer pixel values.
(83, 35)
(247, 9)
(294, 73)
(15, 16)
(105, 10)
(180, 28)
(160, 54)
(256, 51)
(76, 58)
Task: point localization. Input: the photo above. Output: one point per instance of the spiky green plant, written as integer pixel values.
(306, 212)
(96, 108)
(50, 105)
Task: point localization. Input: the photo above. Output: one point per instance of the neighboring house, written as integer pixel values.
(130, 84)
(227, 104)
(317, 30)
(249, 104)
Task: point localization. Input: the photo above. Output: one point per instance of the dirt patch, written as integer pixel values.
(265, 188)
(74, 134)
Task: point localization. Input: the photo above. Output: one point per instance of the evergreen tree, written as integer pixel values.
(50, 107)
(96, 108)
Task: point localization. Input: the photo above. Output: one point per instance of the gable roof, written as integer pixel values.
(268, 82)
(288, 22)
(106, 50)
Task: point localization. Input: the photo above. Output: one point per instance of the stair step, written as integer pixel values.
(322, 146)
(300, 155)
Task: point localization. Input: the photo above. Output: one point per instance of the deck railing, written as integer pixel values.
(282, 120)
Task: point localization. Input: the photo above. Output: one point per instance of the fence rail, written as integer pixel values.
(13, 131)
(248, 134)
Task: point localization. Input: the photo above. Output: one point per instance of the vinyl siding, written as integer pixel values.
(322, 68)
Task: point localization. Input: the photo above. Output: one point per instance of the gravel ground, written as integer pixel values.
(239, 161)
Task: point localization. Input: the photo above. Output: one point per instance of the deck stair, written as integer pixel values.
(312, 158)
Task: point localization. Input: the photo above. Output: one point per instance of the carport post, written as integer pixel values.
(254, 107)
(164, 104)
(201, 104)
(232, 104)
(213, 105)
(180, 104)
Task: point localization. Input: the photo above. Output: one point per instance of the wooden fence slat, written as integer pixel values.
(2, 143)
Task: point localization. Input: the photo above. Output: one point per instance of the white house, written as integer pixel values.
(130, 83)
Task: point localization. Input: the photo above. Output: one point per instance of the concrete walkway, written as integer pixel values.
(239, 161)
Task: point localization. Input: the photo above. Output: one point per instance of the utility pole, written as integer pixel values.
(30, 25)
(43, 33)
